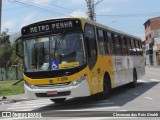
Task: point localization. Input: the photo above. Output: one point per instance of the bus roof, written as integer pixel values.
(90, 22)
(109, 28)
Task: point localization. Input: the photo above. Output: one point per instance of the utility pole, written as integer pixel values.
(91, 9)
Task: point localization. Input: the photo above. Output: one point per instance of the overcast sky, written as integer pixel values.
(125, 15)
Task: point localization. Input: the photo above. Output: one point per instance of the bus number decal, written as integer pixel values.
(63, 79)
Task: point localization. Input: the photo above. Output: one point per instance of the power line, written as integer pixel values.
(57, 6)
(43, 9)
(131, 15)
(12, 9)
(42, 2)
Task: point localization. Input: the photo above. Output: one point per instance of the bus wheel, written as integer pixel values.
(106, 89)
(60, 100)
(134, 83)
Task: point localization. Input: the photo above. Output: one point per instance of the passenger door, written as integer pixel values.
(92, 56)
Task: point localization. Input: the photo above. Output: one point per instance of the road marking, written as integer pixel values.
(136, 93)
(142, 81)
(38, 102)
(72, 118)
(123, 110)
(155, 80)
(129, 91)
(102, 101)
(92, 109)
(25, 110)
(149, 98)
(91, 118)
(133, 93)
(34, 104)
(16, 105)
(26, 106)
(99, 104)
(23, 107)
(23, 98)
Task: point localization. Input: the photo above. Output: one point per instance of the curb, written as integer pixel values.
(11, 101)
(7, 101)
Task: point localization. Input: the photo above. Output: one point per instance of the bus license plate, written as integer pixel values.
(51, 92)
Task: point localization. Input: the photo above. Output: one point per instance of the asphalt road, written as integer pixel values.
(145, 97)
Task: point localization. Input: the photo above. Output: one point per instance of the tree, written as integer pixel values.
(16, 61)
(5, 52)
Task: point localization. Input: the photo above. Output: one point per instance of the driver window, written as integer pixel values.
(91, 47)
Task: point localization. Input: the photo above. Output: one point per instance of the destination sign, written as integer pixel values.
(50, 26)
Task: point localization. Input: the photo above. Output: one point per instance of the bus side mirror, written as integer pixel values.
(19, 47)
(88, 46)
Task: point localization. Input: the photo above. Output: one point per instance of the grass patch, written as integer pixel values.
(6, 88)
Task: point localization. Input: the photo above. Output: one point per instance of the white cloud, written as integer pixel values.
(117, 1)
(28, 19)
(9, 24)
(41, 2)
(103, 10)
(78, 13)
(73, 3)
(77, 1)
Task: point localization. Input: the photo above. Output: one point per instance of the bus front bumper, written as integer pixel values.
(66, 91)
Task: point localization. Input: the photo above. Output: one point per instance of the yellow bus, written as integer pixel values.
(76, 57)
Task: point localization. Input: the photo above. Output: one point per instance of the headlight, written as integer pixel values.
(79, 80)
(30, 86)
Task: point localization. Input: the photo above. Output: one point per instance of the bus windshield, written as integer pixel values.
(59, 51)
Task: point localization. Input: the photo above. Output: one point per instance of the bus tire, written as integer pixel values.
(60, 100)
(134, 83)
(106, 89)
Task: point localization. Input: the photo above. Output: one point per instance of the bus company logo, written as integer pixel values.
(51, 81)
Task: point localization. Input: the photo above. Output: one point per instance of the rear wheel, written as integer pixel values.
(60, 100)
(134, 83)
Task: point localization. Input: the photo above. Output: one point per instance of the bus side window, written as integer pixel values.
(91, 45)
(109, 42)
(118, 45)
(130, 40)
(140, 46)
(129, 46)
(106, 42)
(112, 44)
(101, 44)
(124, 46)
(133, 47)
(137, 47)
